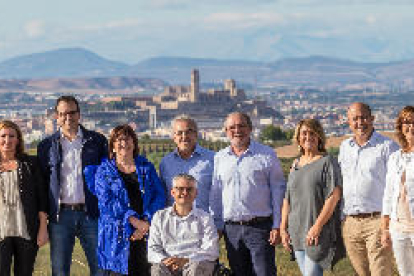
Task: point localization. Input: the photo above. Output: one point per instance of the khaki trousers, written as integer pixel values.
(204, 268)
(362, 238)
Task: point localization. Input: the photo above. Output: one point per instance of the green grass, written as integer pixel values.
(79, 265)
(285, 267)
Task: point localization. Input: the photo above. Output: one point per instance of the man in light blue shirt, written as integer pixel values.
(363, 160)
(246, 198)
(190, 158)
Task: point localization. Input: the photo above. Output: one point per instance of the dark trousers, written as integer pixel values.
(62, 235)
(137, 263)
(22, 251)
(248, 249)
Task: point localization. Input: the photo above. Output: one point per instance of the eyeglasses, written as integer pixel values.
(240, 126)
(360, 118)
(65, 114)
(182, 189)
(186, 132)
(406, 122)
(123, 139)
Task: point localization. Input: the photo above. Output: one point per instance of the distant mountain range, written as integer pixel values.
(124, 84)
(96, 71)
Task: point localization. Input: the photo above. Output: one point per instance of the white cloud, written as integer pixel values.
(177, 4)
(346, 2)
(125, 23)
(371, 19)
(326, 33)
(167, 4)
(243, 20)
(110, 25)
(34, 28)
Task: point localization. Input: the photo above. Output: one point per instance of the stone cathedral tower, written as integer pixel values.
(195, 85)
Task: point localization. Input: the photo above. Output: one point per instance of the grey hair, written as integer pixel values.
(243, 115)
(185, 118)
(185, 176)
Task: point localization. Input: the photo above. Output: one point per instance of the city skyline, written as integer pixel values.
(261, 30)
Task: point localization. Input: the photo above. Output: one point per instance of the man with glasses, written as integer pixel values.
(190, 158)
(183, 239)
(247, 193)
(73, 209)
(363, 160)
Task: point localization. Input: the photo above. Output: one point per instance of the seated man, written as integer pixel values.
(183, 239)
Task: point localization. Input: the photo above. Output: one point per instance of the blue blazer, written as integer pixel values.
(114, 229)
(49, 154)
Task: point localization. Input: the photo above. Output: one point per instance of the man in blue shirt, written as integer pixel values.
(246, 198)
(189, 158)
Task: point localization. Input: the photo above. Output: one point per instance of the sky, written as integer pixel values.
(257, 30)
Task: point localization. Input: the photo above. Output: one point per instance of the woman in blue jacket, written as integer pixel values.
(129, 193)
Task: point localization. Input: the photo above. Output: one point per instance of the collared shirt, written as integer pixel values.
(193, 236)
(364, 169)
(247, 186)
(200, 165)
(71, 177)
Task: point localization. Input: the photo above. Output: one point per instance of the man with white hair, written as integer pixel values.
(183, 239)
(190, 158)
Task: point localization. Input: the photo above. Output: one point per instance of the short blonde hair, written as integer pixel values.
(316, 127)
(402, 116)
(12, 125)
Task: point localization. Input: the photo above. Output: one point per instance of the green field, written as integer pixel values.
(284, 265)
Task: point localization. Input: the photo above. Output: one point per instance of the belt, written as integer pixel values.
(253, 221)
(77, 207)
(366, 215)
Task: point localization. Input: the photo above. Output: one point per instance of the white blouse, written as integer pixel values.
(13, 222)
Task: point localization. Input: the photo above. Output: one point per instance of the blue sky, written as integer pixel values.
(264, 30)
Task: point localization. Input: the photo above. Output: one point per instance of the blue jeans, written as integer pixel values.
(62, 235)
(248, 249)
(306, 265)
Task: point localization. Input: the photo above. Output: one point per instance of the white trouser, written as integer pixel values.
(403, 246)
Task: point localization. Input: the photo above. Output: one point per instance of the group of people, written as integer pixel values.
(130, 221)
(362, 203)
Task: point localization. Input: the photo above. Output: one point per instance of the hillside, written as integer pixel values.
(102, 83)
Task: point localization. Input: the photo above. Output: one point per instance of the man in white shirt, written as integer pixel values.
(64, 158)
(183, 239)
(363, 160)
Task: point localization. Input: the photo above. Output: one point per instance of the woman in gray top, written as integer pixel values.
(310, 214)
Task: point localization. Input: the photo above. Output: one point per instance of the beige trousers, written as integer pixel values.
(362, 238)
(205, 268)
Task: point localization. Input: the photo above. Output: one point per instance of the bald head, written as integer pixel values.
(360, 106)
(361, 121)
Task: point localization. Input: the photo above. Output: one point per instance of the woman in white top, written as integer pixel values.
(23, 204)
(398, 203)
